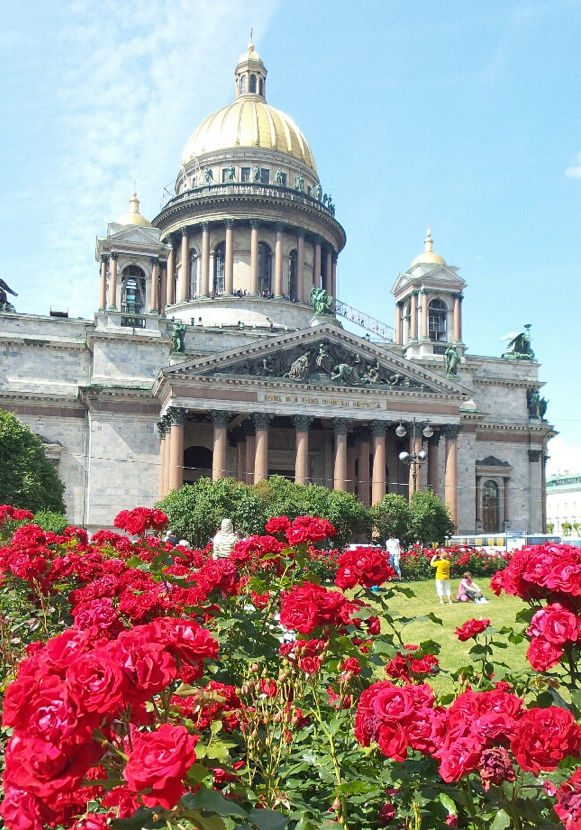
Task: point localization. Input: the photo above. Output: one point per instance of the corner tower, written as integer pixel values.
(429, 305)
(249, 228)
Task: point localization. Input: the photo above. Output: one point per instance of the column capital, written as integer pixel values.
(535, 455)
(400, 304)
(262, 420)
(175, 416)
(255, 224)
(415, 293)
(458, 296)
(205, 226)
(300, 232)
(424, 291)
(167, 240)
(341, 426)
(302, 422)
(220, 418)
(104, 257)
(229, 223)
(115, 255)
(279, 227)
(361, 432)
(155, 260)
(184, 231)
(451, 431)
(378, 429)
(162, 428)
(434, 439)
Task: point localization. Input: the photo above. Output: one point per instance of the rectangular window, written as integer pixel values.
(224, 175)
(245, 174)
(264, 175)
(283, 179)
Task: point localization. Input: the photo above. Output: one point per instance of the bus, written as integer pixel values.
(503, 542)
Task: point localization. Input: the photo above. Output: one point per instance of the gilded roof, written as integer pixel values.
(249, 122)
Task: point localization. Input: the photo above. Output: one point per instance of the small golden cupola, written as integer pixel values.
(251, 74)
(133, 216)
(429, 256)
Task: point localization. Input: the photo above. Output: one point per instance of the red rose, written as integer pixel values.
(44, 769)
(96, 682)
(392, 704)
(23, 811)
(92, 821)
(471, 628)
(459, 759)
(310, 665)
(148, 667)
(555, 624)
(363, 566)
(184, 638)
(158, 763)
(387, 814)
(277, 524)
(543, 737)
(543, 655)
(393, 741)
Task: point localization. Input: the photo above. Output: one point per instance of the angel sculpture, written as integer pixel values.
(519, 347)
(4, 304)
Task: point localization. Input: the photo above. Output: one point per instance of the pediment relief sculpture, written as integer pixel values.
(324, 362)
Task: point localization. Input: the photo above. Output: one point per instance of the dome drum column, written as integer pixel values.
(205, 270)
(414, 316)
(317, 264)
(458, 316)
(171, 276)
(333, 291)
(154, 295)
(278, 261)
(184, 273)
(301, 266)
(398, 323)
(229, 257)
(163, 288)
(254, 225)
(424, 294)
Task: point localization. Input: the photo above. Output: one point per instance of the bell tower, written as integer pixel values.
(428, 300)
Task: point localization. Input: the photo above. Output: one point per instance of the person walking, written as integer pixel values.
(441, 562)
(393, 549)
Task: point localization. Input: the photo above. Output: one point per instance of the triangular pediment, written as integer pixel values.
(133, 235)
(444, 276)
(322, 356)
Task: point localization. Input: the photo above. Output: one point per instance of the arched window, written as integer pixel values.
(490, 507)
(133, 301)
(264, 269)
(197, 464)
(253, 83)
(292, 276)
(243, 83)
(438, 320)
(193, 287)
(219, 264)
(261, 87)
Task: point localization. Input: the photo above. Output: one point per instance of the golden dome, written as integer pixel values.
(133, 216)
(250, 122)
(429, 256)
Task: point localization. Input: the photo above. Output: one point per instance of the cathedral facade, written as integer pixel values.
(218, 350)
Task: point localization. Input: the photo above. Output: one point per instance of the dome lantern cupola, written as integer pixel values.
(429, 256)
(133, 216)
(251, 74)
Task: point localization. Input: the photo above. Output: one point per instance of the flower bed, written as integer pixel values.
(152, 686)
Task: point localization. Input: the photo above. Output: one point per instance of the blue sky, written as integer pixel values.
(465, 116)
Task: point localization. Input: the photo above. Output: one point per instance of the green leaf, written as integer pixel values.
(501, 821)
(214, 802)
(268, 820)
(448, 803)
(136, 822)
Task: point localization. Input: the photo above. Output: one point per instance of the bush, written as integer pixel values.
(28, 480)
(425, 519)
(51, 520)
(415, 563)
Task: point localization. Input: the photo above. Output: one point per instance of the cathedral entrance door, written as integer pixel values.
(490, 507)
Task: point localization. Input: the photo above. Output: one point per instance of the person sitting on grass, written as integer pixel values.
(441, 562)
(468, 590)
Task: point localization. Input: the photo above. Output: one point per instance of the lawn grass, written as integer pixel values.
(500, 611)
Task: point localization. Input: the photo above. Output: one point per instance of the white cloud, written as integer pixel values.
(132, 82)
(563, 457)
(574, 170)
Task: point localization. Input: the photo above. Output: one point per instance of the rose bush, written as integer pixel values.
(155, 686)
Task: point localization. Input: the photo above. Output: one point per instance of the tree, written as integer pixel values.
(392, 517)
(195, 511)
(566, 527)
(28, 480)
(430, 519)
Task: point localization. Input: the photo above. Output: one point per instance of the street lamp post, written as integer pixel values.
(415, 459)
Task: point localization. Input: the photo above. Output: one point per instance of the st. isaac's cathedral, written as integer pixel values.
(217, 349)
